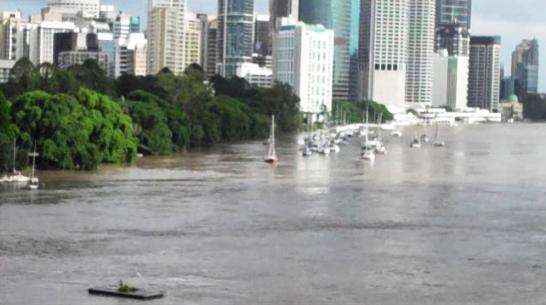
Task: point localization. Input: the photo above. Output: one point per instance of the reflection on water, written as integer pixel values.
(458, 225)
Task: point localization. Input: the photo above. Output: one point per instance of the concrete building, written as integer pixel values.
(337, 15)
(262, 35)
(11, 35)
(235, 34)
(212, 48)
(71, 58)
(5, 69)
(255, 75)
(282, 8)
(525, 66)
(192, 40)
(454, 38)
(107, 13)
(204, 26)
(421, 14)
(484, 72)
(130, 55)
(450, 81)
(73, 41)
(40, 39)
(383, 51)
(121, 27)
(511, 109)
(454, 12)
(166, 35)
(90, 8)
(303, 57)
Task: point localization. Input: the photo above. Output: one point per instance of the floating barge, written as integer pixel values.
(138, 294)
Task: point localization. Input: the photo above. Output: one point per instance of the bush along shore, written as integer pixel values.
(79, 118)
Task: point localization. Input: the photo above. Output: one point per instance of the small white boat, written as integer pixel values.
(396, 133)
(368, 155)
(415, 143)
(335, 148)
(271, 156)
(34, 181)
(425, 139)
(14, 176)
(437, 141)
(307, 151)
(381, 149)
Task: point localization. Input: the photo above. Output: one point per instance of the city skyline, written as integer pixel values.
(488, 18)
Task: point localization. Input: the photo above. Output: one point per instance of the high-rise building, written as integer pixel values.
(212, 48)
(421, 15)
(121, 26)
(383, 51)
(450, 81)
(335, 15)
(303, 57)
(90, 8)
(5, 69)
(282, 8)
(11, 38)
(134, 24)
(192, 40)
(262, 35)
(453, 12)
(484, 72)
(525, 65)
(235, 34)
(131, 55)
(166, 35)
(453, 38)
(255, 75)
(204, 25)
(40, 40)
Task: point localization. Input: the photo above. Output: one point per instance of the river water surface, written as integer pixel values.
(465, 224)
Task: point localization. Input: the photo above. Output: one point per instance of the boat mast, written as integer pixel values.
(14, 154)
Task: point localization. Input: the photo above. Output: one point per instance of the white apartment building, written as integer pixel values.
(89, 8)
(255, 75)
(130, 55)
(166, 35)
(121, 26)
(40, 39)
(303, 57)
(11, 35)
(5, 69)
(450, 81)
(384, 51)
(192, 40)
(421, 29)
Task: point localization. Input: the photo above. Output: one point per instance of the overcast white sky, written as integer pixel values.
(512, 20)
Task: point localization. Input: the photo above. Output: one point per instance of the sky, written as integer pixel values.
(512, 20)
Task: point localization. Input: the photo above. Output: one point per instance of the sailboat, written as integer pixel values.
(34, 181)
(271, 156)
(437, 141)
(368, 152)
(380, 147)
(15, 176)
(416, 142)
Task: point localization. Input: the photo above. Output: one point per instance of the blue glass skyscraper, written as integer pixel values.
(235, 34)
(342, 17)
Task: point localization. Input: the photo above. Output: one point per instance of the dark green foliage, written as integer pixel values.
(534, 107)
(355, 112)
(161, 127)
(74, 132)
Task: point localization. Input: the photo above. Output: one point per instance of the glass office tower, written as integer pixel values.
(338, 15)
(235, 34)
